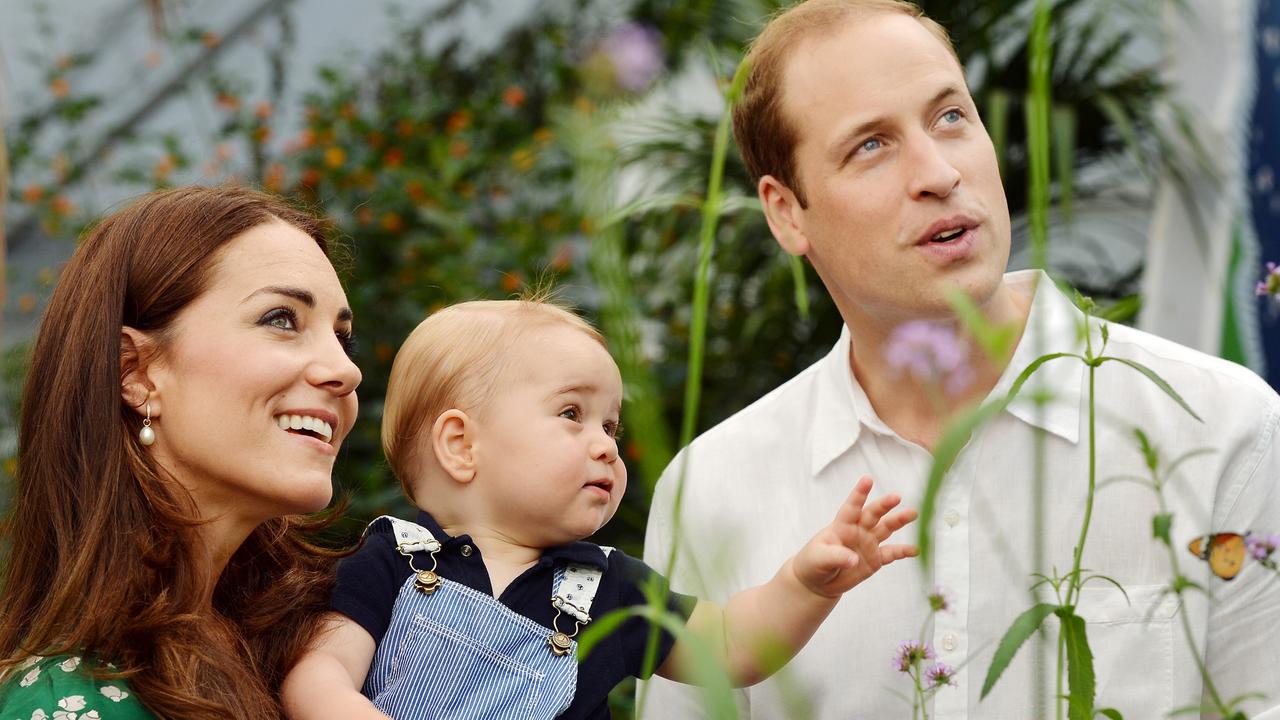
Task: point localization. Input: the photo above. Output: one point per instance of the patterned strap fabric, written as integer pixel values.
(411, 537)
(577, 589)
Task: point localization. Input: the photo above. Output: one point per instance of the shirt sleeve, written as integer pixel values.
(634, 632)
(369, 581)
(60, 687)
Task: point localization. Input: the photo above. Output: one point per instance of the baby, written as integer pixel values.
(501, 422)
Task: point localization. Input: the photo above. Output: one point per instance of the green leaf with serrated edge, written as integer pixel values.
(1021, 629)
(1159, 381)
(1160, 525)
(954, 438)
(1080, 679)
(1148, 451)
(1112, 713)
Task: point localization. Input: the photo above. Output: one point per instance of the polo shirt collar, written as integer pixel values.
(841, 407)
(581, 553)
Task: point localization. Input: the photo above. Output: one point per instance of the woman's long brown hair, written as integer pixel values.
(102, 541)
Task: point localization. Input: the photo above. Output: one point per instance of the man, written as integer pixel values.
(872, 162)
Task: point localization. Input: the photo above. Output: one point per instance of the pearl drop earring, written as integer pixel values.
(146, 435)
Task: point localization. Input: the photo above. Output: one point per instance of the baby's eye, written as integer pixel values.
(570, 413)
(614, 429)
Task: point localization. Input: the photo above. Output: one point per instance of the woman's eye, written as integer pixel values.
(280, 318)
(570, 413)
(870, 145)
(951, 117)
(347, 339)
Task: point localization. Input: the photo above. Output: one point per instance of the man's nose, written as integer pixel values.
(931, 172)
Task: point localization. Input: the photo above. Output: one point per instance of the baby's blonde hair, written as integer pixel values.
(454, 359)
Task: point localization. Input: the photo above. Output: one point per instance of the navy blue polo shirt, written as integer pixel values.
(369, 581)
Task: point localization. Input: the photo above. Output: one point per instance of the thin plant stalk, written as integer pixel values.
(711, 207)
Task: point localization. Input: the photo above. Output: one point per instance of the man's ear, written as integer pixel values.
(452, 441)
(782, 210)
(137, 350)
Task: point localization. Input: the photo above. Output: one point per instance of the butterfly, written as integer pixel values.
(1225, 552)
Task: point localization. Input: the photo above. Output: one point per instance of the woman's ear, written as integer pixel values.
(452, 441)
(136, 388)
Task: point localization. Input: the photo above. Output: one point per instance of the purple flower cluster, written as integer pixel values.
(940, 674)
(910, 653)
(1270, 283)
(939, 600)
(635, 54)
(1260, 546)
(931, 352)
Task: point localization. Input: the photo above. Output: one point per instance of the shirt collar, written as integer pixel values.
(582, 553)
(1053, 326)
(841, 407)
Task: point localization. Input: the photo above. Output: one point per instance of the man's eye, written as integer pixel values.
(870, 145)
(952, 117)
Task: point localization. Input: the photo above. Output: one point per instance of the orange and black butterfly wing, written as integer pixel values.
(1225, 553)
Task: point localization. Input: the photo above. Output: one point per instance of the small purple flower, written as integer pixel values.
(635, 53)
(910, 653)
(940, 674)
(939, 600)
(930, 352)
(1270, 283)
(1261, 546)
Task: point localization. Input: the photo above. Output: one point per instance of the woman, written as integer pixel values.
(189, 389)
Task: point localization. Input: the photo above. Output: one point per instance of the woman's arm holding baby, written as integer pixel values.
(326, 682)
(761, 628)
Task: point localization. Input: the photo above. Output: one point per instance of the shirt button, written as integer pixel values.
(952, 518)
(950, 642)
(466, 551)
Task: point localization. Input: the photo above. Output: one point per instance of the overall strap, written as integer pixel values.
(573, 595)
(412, 538)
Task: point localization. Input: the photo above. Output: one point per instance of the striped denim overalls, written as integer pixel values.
(451, 652)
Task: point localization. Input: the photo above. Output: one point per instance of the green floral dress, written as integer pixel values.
(58, 688)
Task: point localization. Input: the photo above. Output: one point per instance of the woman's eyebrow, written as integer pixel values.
(303, 296)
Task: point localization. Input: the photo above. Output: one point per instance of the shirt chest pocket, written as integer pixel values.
(1132, 642)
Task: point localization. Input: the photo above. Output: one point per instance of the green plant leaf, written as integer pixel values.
(1080, 679)
(996, 340)
(954, 438)
(1113, 581)
(1159, 381)
(1021, 629)
(802, 289)
(1112, 713)
(1148, 451)
(1160, 525)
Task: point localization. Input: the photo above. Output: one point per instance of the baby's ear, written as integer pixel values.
(451, 440)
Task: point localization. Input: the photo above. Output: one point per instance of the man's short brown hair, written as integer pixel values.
(764, 134)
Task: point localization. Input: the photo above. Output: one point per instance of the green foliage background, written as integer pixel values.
(452, 175)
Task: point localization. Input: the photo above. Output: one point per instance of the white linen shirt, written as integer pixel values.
(761, 483)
